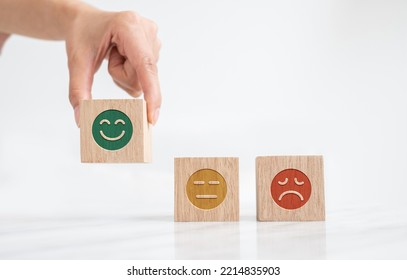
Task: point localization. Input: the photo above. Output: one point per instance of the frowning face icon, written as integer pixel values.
(112, 130)
(206, 189)
(291, 189)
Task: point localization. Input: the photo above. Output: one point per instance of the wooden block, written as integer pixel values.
(115, 131)
(290, 188)
(206, 189)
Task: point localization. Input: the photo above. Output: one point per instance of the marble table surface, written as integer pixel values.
(347, 234)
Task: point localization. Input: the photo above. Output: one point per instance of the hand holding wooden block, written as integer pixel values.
(115, 131)
(290, 188)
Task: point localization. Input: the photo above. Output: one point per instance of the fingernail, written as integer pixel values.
(156, 115)
(76, 113)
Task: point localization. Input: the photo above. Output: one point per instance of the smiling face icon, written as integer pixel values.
(206, 189)
(291, 189)
(112, 130)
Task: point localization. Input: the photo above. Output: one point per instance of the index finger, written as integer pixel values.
(140, 55)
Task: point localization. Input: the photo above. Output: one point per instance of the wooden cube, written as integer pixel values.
(206, 189)
(290, 188)
(115, 131)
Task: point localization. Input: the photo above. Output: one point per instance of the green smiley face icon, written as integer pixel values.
(112, 130)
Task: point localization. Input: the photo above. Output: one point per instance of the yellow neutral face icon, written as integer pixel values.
(206, 189)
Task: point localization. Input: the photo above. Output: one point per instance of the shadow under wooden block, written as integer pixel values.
(115, 131)
(206, 189)
(290, 188)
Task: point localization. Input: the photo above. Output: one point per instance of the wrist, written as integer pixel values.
(69, 12)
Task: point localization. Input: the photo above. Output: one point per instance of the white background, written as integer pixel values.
(239, 78)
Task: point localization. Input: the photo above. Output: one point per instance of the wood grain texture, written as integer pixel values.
(138, 148)
(268, 167)
(185, 211)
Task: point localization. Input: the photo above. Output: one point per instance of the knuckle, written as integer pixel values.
(74, 96)
(149, 64)
(77, 94)
(132, 20)
(129, 16)
(153, 26)
(126, 20)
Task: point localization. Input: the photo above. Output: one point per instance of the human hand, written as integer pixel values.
(3, 38)
(128, 41)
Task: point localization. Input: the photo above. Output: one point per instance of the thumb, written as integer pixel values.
(3, 39)
(80, 82)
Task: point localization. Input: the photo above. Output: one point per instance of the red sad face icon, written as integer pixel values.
(291, 189)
